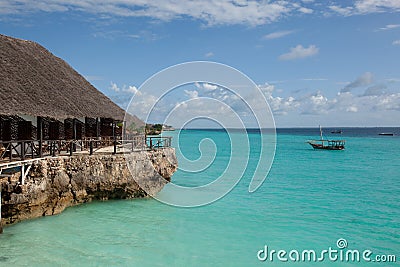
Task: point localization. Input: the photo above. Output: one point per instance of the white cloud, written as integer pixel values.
(390, 27)
(141, 104)
(315, 104)
(209, 86)
(276, 35)
(393, 80)
(133, 36)
(282, 106)
(318, 99)
(206, 86)
(114, 87)
(302, 9)
(396, 42)
(370, 6)
(213, 12)
(209, 54)
(375, 99)
(192, 94)
(132, 89)
(267, 89)
(278, 105)
(383, 103)
(347, 107)
(299, 52)
(352, 109)
(306, 10)
(366, 7)
(122, 96)
(345, 11)
(365, 79)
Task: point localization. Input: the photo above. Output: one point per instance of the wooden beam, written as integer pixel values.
(40, 135)
(74, 134)
(114, 137)
(97, 128)
(1, 224)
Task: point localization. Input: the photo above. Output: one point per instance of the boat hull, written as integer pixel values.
(319, 146)
(327, 144)
(387, 134)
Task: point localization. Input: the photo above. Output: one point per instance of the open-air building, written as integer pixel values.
(46, 107)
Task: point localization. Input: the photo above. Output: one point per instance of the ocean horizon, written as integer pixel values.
(311, 200)
(359, 130)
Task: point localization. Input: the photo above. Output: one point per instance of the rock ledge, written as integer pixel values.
(54, 184)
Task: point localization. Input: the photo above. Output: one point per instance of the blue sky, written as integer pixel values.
(334, 63)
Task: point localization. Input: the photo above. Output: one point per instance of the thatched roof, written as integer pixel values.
(35, 82)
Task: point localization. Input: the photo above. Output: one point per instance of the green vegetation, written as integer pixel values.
(153, 129)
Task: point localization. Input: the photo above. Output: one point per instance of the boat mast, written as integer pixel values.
(320, 131)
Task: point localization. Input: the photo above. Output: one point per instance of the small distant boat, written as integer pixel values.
(327, 144)
(387, 134)
(337, 132)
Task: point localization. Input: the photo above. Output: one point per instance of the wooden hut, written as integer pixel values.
(43, 98)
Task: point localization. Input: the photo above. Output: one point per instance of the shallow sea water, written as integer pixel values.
(309, 200)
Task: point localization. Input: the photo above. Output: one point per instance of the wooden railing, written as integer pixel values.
(154, 142)
(29, 149)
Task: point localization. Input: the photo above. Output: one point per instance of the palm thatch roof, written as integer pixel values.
(35, 82)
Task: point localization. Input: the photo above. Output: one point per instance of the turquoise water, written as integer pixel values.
(310, 199)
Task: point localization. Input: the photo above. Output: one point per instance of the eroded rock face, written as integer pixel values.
(53, 184)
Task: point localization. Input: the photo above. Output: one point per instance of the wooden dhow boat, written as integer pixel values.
(327, 144)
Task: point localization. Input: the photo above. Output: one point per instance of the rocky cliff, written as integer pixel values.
(54, 184)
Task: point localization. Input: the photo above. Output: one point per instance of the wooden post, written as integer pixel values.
(23, 174)
(145, 135)
(40, 135)
(114, 137)
(91, 147)
(54, 148)
(1, 225)
(23, 150)
(32, 152)
(74, 129)
(74, 134)
(97, 128)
